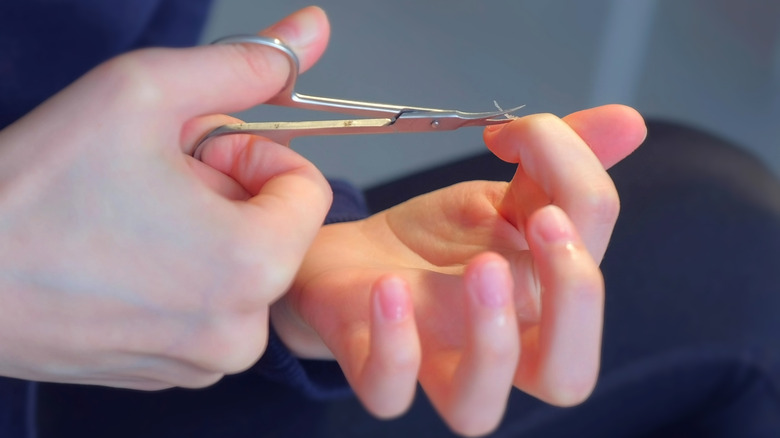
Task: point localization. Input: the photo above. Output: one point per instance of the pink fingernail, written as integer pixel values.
(555, 227)
(490, 285)
(494, 128)
(393, 300)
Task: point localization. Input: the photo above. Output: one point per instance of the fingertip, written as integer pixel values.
(306, 31)
(494, 139)
(239, 76)
(393, 300)
(612, 131)
(628, 123)
(395, 343)
(550, 224)
(388, 379)
(492, 130)
(524, 133)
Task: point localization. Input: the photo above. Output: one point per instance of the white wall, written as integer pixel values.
(711, 63)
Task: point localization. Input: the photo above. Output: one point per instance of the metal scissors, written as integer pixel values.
(381, 118)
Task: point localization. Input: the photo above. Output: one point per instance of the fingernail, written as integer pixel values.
(554, 226)
(490, 129)
(394, 302)
(490, 285)
(298, 29)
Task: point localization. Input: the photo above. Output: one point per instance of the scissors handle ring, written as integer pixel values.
(285, 97)
(383, 117)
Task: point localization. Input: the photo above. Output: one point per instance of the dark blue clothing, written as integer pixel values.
(46, 45)
(690, 338)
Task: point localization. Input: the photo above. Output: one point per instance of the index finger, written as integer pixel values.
(611, 131)
(556, 166)
(220, 78)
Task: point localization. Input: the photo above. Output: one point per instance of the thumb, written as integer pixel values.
(611, 131)
(226, 78)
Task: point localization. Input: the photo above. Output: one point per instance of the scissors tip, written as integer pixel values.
(508, 113)
(492, 118)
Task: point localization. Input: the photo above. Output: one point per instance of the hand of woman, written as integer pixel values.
(124, 261)
(475, 288)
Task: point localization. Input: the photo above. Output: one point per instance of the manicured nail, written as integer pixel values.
(394, 302)
(554, 226)
(298, 29)
(490, 285)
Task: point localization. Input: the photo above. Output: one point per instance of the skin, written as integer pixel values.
(125, 262)
(145, 268)
(475, 288)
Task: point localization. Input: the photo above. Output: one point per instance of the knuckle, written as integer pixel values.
(255, 280)
(130, 79)
(538, 125)
(601, 201)
(247, 347)
(547, 118)
(231, 344)
(242, 356)
(259, 62)
(541, 118)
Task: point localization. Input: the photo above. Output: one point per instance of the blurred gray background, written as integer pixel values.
(713, 64)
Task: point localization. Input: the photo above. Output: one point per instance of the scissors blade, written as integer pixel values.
(409, 120)
(431, 121)
(284, 132)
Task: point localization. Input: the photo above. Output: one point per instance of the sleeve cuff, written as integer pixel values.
(318, 379)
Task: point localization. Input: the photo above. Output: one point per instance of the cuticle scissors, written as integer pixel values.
(381, 118)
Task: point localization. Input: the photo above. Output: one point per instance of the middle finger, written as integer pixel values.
(558, 163)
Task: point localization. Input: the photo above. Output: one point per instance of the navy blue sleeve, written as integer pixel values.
(14, 413)
(316, 379)
(47, 44)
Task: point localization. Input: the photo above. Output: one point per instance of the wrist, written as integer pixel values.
(302, 340)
